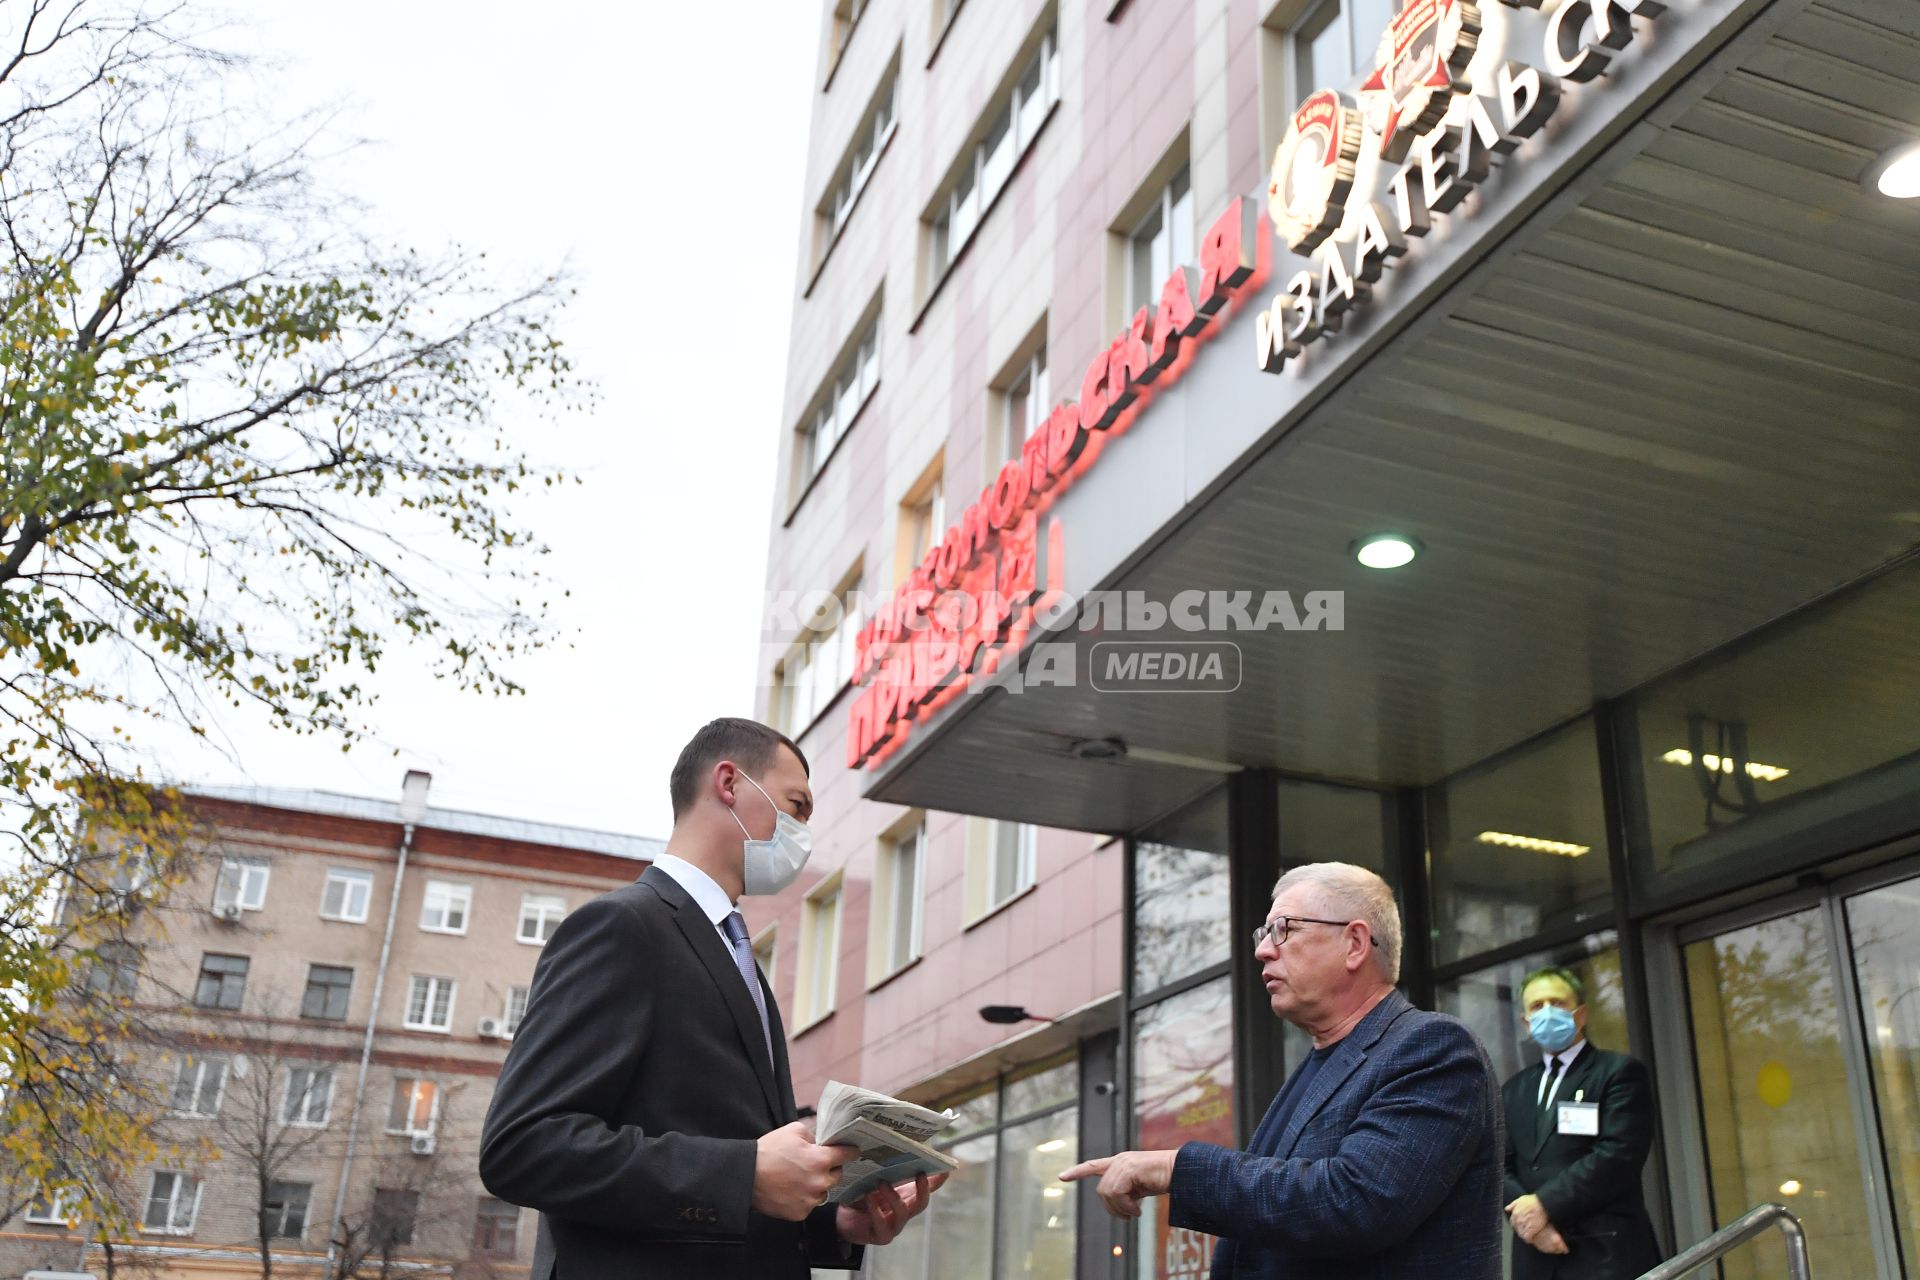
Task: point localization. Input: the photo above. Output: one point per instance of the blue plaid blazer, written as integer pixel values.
(1389, 1169)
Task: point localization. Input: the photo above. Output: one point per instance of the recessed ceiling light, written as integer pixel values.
(1533, 844)
(1724, 764)
(1898, 173)
(1098, 749)
(1385, 550)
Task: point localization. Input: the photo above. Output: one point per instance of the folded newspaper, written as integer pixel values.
(892, 1136)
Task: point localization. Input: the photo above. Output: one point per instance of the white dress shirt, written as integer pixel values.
(1566, 1056)
(700, 886)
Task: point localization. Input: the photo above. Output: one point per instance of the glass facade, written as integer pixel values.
(1005, 1214)
(1518, 847)
(1182, 1092)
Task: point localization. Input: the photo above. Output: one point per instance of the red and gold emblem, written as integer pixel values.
(1423, 59)
(1313, 170)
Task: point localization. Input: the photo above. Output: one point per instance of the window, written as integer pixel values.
(430, 1004)
(923, 516)
(346, 896)
(1021, 411)
(283, 1213)
(416, 1106)
(1335, 41)
(819, 952)
(766, 949)
(115, 971)
(841, 397)
(57, 1208)
(223, 982)
(329, 986)
(1012, 865)
(846, 16)
(444, 909)
(870, 138)
(516, 1008)
(1013, 1140)
(897, 902)
(197, 1085)
(309, 1097)
(242, 884)
(1012, 123)
(821, 662)
(394, 1211)
(496, 1228)
(1161, 241)
(540, 915)
(173, 1203)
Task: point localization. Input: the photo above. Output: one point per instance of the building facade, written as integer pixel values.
(327, 1001)
(1122, 333)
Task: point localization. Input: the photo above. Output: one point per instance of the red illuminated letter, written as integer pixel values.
(1227, 253)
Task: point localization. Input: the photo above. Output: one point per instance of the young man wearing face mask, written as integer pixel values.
(645, 1108)
(1579, 1127)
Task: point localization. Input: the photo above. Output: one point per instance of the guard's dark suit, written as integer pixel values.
(1590, 1187)
(629, 1105)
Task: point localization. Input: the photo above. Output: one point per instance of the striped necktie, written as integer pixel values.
(736, 929)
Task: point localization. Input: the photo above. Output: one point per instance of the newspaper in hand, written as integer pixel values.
(892, 1136)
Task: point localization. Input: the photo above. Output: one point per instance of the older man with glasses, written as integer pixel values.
(1382, 1156)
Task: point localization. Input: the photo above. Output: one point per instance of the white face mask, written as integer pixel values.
(774, 863)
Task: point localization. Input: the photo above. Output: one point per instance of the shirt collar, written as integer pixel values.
(1566, 1055)
(700, 886)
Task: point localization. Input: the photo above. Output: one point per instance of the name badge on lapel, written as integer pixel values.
(1579, 1119)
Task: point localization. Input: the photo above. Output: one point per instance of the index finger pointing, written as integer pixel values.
(1087, 1169)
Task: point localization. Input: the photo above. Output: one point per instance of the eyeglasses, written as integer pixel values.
(1280, 928)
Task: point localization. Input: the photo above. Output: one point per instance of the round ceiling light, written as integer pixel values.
(1385, 550)
(1898, 173)
(1098, 749)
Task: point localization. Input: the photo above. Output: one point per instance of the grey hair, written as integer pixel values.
(1355, 893)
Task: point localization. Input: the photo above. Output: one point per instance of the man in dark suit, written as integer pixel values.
(646, 1108)
(1380, 1157)
(1579, 1127)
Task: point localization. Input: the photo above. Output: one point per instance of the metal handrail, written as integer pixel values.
(1736, 1233)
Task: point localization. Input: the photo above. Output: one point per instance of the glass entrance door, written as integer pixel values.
(1806, 1049)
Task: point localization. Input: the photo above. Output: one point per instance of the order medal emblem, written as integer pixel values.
(1313, 170)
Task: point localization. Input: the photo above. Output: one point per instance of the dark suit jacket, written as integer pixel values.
(630, 1102)
(1389, 1168)
(1590, 1187)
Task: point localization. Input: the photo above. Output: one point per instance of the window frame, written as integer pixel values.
(817, 980)
(61, 1208)
(236, 976)
(198, 1065)
(346, 993)
(891, 961)
(285, 1203)
(800, 702)
(415, 1086)
(540, 903)
(1026, 860)
(492, 1209)
(172, 1228)
(413, 986)
(511, 1018)
(245, 867)
(350, 878)
(1143, 287)
(449, 892)
(377, 1216)
(965, 190)
(854, 171)
(837, 405)
(303, 1121)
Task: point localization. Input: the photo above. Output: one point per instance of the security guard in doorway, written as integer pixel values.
(1579, 1127)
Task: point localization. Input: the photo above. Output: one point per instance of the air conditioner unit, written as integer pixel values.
(422, 1144)
(493, 1028)
(228, 911)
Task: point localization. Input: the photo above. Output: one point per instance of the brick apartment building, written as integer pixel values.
(336, 987)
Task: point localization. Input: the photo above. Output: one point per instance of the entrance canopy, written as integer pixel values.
(1654, 385)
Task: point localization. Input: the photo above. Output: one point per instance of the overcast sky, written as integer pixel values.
(646, 146)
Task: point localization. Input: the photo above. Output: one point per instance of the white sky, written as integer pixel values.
(657, 150)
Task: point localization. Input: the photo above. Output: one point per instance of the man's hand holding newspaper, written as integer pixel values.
(891, 1139)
